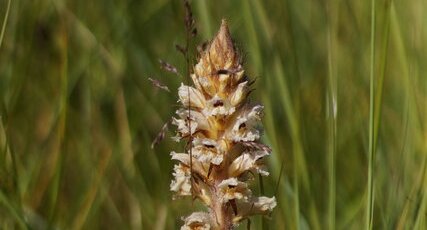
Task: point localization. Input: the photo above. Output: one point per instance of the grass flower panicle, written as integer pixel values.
(222, 129)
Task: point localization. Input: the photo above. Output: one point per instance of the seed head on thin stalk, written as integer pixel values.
(222, 129)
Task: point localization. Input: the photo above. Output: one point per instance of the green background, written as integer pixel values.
(344, 84)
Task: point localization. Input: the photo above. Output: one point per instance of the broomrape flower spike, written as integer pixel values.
(222, 129)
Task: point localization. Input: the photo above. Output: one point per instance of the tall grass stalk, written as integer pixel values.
(383, 68)
(412, 123)
(332, 116)
(79, 114)
(371, 153)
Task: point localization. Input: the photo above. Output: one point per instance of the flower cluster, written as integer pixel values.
(223, 131)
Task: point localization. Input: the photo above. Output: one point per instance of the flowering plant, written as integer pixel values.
(222, 130)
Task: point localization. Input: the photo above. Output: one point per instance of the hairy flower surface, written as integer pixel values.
(222, 130)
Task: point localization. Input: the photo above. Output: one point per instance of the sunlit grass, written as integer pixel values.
(345, 102)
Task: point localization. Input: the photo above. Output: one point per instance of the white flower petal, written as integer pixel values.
(265, 204)
(233, 189)
(181, 184)
(207, 151)
(196, 120)
(256, 112)
(229, 182)
(197, 221)
(181, 157)
(194, 116)
(244, 128)
(239, 94)
(257, 205)
(248, 161)
(183, 128)
(198, 167)
(191, 96)
(218, 106)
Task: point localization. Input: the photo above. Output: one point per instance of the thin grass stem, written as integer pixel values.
(371, 154)
(6, 17)
(332, 122)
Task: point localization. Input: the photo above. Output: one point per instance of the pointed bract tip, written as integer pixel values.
(224, 32)
(221, 49)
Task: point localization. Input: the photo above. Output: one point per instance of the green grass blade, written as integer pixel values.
(331, 118)
(371, 154)
(6, 17)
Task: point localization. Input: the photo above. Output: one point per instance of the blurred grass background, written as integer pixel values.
(344, 84)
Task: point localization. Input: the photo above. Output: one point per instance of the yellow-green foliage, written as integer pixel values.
(78, 113)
